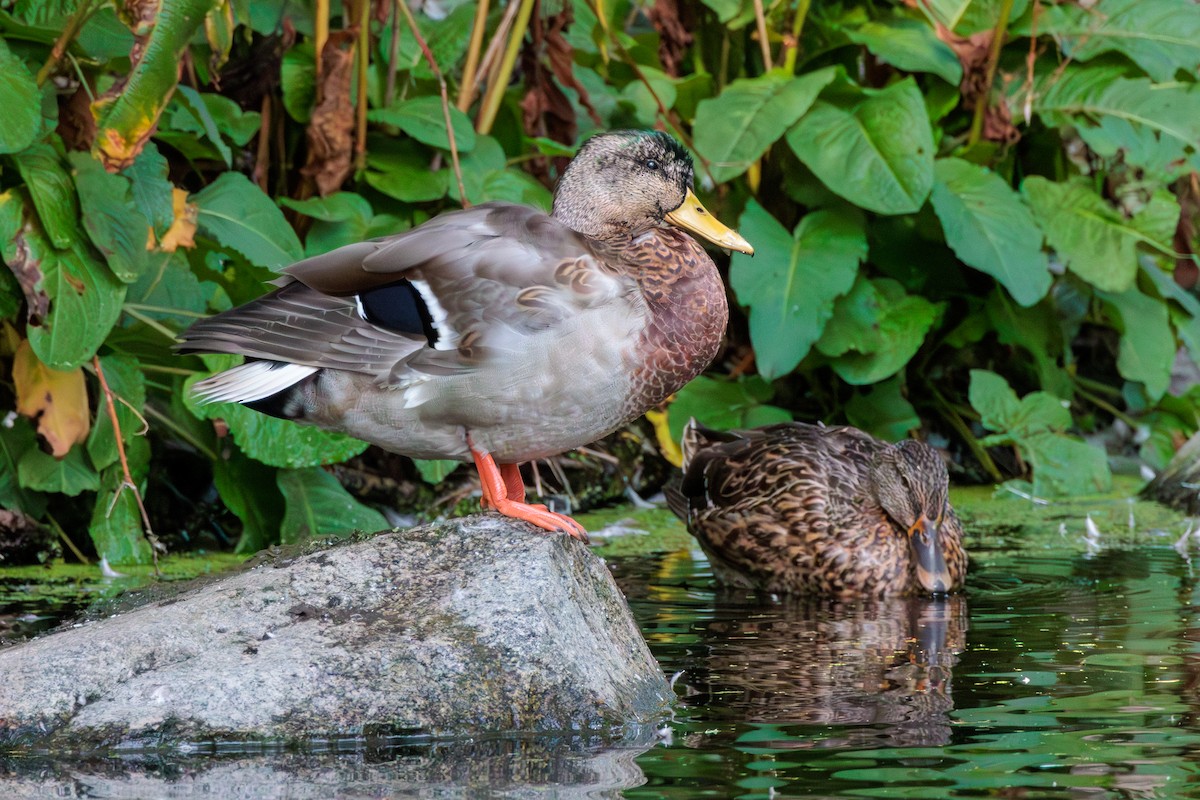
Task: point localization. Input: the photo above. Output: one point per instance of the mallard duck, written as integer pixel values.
(807, 509)
(496, 334)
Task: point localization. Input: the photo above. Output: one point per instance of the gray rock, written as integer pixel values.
(462, 627)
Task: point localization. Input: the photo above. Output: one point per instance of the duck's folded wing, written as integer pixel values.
(298, 325)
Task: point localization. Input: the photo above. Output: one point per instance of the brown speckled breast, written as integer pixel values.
(688, 314)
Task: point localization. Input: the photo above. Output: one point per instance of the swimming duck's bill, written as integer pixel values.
(926, 540)
(693, 217)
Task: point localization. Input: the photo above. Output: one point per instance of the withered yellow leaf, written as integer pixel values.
(56, 400)
(183, 230)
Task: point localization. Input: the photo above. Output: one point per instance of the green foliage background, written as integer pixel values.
(975, 217)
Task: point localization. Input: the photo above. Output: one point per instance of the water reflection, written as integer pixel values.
(885, 666)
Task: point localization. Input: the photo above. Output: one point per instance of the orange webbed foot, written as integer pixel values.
(504, 491)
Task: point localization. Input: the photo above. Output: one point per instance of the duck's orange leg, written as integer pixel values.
(504, 491)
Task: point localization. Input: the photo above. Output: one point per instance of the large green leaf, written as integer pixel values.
(248, 489)
(724, 404)
(125, 120)
(71, 475)
(1094, 239)
(16, 439)
(792, 284)
(52, 191)
(877, 151)
(239, 216)
(990, 228)
(81, 294)
(1066, 467)
(735, 128)
(1153, 122)
(910, 45)
(298, 79)
(423, 119)
(1161, 36)
(152, 192)
(115, 225)
(1147, 347)
(883, 411)
(21, 100)
(406, 175)
(317, 505)
(1039, 331)
(875, 330)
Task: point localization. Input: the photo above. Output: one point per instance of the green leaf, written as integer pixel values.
(1065, 467)
(446, 37)
(239, 216)
(994, 399)
(273, 441)
(724, 404)
(21, 99)
(116, 525)
(1147, 348)
(83, 296)
(1094, 240)
(883, 411)
(1039, 332)
(128, 384)
(1160, 36)
(792, 285)
(638, 95)
(423, 119)
(52, 192)
(910, 45)
(877, 153)
(125, 120)
(114, 224)
(487, 158)
(735, 128)
(966, 17)
(337, 207)
(249, 490)
(42, 472)
(152, 192)
(193, 117)
(1153, 121)
(406, 176)
(298, 78)
(990, 229)
(17, 439)
(317, 505)
(875, 330)
(434, 471)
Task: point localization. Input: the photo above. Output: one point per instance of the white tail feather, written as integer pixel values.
(249, 382)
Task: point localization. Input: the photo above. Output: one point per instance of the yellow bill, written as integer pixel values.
(694, 218)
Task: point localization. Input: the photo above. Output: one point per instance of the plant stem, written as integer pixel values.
(153, 323)
(981, 104)
(948, 413)
(466, 91)
(764, 44)
(497, 85)
(320, 32)
(181, 432)
(63, 535)
(1100, 402)
(791, 48)
(437, 72)
(363, 65)
(74, 25)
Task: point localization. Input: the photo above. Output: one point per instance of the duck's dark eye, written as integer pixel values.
(651, 163)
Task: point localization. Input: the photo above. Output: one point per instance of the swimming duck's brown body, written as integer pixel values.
(807, 509)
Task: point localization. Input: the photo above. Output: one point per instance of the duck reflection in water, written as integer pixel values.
(877, 672)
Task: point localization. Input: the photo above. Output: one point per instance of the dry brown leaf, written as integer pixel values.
(973, 53)
(182, 232)
(331, 131)
(673, 21)
(56, 400)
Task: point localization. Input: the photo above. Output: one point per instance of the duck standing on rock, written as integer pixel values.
(806, 509)
(498, 333)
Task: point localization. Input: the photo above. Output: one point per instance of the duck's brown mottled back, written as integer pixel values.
(807, 509)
